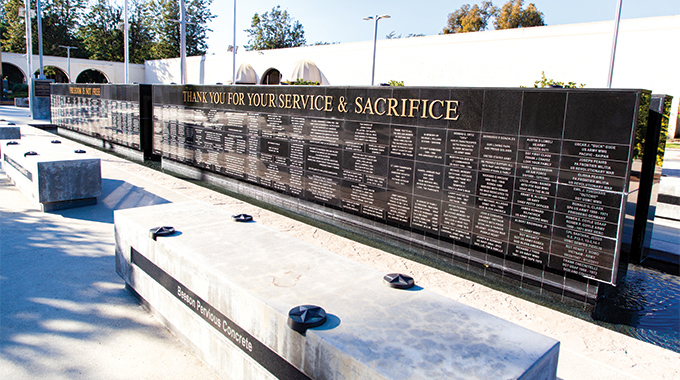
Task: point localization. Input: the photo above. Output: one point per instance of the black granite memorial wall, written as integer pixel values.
(115, 114)
(531, 184)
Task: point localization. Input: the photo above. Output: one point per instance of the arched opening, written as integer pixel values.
(271, 76)
(13, 81)
(53, 72)
(92, 76)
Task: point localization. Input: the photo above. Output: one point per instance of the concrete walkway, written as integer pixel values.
(65, 314)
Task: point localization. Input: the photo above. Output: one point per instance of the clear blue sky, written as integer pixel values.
(341, 21)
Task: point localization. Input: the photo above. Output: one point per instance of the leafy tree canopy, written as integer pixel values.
(512, 15)
(95, 28)
(470, 19)
(100, 35)
(476, 18)
(166, 33)
(274, 30)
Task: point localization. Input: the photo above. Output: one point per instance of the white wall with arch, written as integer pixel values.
(113, 71)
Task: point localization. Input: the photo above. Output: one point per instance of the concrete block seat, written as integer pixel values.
(226, 289)
(9, 131)
(52, 175)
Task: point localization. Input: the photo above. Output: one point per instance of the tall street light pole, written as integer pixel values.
(68, 59)
(375, 39)
(40, 44)
(126, 37)
(29, 53)
(182, 40)
(233, 53)
(616, 36)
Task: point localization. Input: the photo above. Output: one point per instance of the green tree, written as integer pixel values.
(14, 37)
(139, 34)
(101, 37)
(199, 15)
(512, 15)
(470, 19)
(166, 33)
(274, 30)
(60, 23)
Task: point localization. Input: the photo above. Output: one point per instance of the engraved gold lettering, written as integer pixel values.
(377, 106)
(316, 103)
(452, 108)
(414, 105)
(392, 107)
(431, 112)
(296, 101)
(306, 101)
(357, 104)
(368, 107)
(424, 113)
(329, 103)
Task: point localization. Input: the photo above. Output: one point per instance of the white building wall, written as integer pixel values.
(114, 71)
(580, 53)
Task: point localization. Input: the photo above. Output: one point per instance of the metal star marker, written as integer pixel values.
(399, 281)
(301, 318)
(161, 231)
(242, 218)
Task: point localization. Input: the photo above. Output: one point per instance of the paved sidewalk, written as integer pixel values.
(65, 314)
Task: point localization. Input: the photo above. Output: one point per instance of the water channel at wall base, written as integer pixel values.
(646, 306)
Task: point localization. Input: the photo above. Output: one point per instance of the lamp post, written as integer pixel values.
(40, 44)
(375, 39)
(233, 53)
(29, 51)
(124, 26)
(616, 36)
(68, 59)
(126, 37)
(182, 40)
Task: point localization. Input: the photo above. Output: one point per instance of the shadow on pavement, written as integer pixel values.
(117, 195)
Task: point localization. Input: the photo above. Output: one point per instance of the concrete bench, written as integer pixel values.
(55, 177)
(226, 288)
(21, 102)
(9, 131)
